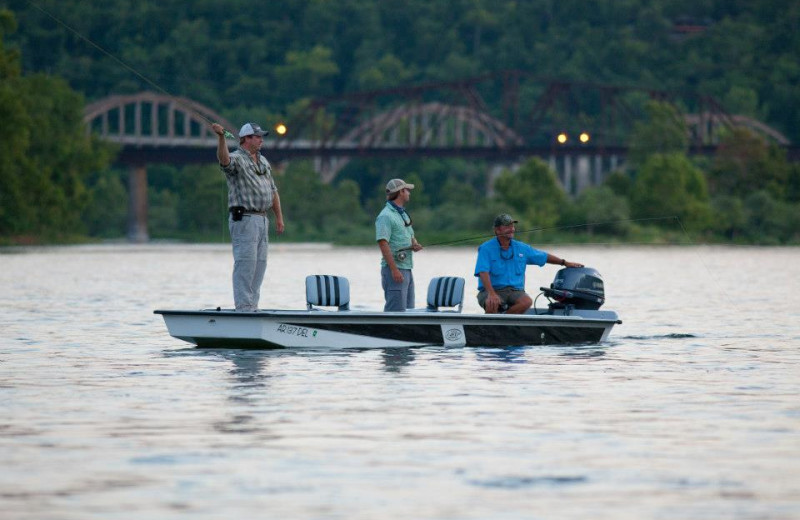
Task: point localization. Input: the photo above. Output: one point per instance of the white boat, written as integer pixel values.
(573, 318)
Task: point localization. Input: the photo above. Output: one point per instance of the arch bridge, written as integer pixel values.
(502, 117)
(151, 128)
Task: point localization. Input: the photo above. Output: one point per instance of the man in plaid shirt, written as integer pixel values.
(251, 194)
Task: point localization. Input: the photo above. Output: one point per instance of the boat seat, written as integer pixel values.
(327, 290)
(446, 291)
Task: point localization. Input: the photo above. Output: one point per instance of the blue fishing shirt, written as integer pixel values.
(506, 268)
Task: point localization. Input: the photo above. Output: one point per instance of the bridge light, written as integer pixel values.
(584, 137)
(562, 138)
(280, 129)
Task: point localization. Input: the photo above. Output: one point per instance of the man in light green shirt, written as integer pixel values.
(395, 238)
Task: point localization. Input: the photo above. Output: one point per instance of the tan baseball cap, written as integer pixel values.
(395, 185)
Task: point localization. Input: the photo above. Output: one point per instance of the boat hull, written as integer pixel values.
(369, 329)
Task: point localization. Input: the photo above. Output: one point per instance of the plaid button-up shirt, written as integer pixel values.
(249, 184)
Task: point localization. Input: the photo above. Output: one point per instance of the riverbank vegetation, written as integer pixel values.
(58, 184)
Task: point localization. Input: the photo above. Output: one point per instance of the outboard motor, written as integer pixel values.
(576, 287)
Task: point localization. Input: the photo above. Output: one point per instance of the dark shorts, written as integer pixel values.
(508, 296)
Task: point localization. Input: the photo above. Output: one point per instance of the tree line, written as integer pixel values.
(265, 68)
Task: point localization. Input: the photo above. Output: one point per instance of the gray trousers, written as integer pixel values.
(398, 296)
(249, 238)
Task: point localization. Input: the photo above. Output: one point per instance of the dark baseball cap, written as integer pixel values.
(503, 219)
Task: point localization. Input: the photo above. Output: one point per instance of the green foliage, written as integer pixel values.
(663, 132)
(669, 185)
(745, 163)
(455, 212)
(620, 183)
(387, 71)
(533, 193)
(46, 155)
(9, 59)
(743, 101)
(729, 216)
(203, 204)
(321, 212)
(601, 211)
(220, 54)
(770, 221)
(107, 212)
(267, 68)
(308, 72)
(793, 184)
(162, 213)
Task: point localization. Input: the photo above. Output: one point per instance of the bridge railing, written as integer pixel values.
(150, 119)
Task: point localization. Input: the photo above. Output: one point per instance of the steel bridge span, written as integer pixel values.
(153, 128)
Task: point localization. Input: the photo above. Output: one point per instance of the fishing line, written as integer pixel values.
(141, 76)
(705, 266)
(553, 228)
(686, 234)
(159, 88)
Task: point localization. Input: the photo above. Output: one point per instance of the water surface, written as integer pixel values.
(689, 411)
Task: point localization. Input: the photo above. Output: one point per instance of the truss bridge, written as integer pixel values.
(580, 128)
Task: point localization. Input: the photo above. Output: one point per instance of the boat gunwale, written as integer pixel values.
(415, 315)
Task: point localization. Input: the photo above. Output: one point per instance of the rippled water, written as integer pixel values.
(690, 411)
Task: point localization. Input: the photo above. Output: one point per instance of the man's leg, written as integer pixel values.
(482, 299)
(243, 241)
(262, 246)
(511, 301)
(409, 276)
(520, 302)
(502, 306)
(395, 294)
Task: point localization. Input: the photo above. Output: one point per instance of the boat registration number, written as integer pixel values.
(294, 330)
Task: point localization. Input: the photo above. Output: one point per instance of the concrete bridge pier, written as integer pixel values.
(495, 171)
(576, 173)
(137, 204)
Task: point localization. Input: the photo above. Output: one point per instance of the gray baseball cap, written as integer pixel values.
(252, 129)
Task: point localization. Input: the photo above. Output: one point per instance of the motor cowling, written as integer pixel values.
(579, 287)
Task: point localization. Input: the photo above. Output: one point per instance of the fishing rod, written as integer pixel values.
(228, 135)
(534, 230)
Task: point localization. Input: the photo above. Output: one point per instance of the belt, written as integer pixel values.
(254, 212)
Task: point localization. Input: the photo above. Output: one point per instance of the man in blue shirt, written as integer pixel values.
(395, 238)
(500, 269)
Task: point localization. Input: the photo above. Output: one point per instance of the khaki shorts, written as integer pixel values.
(508, 297)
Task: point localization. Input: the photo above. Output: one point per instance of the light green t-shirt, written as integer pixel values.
(391, 226)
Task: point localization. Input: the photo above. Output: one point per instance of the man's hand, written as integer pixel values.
(223, 156)
(492, 303)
